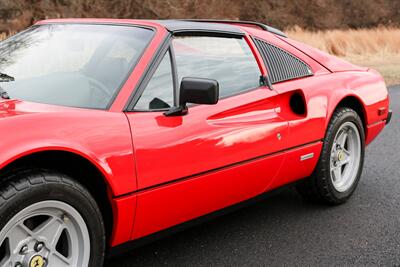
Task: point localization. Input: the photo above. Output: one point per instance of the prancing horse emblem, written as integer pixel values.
(37, 261)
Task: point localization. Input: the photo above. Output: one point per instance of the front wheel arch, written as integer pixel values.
(39, 198)
(75, 166)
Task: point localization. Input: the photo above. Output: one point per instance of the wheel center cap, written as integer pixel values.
(340, 156)
(36, 261)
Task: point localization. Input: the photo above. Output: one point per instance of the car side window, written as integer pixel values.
(159, 92)
(227, 60)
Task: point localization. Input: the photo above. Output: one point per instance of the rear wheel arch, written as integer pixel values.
(353, 102)
(76, 166)
(320, 186)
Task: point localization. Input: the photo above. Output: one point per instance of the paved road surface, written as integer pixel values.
(284, 230)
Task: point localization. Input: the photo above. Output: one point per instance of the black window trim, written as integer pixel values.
(157, 58)
(151, 74)
(265, 61)
(174, 69)
(146, 76)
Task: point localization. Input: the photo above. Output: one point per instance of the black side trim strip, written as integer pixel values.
(217, 169)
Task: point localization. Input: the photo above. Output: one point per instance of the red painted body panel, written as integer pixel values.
(124, 209)
(179, 202)
(162, 171)
(209, 137)
(373, 130)
(102, 137)
(294, 162)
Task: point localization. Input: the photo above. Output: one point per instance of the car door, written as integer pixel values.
(296, 79)
(214, 156)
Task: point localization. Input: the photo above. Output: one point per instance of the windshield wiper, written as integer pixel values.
(6, 78)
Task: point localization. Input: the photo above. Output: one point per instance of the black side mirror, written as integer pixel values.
(196, 91)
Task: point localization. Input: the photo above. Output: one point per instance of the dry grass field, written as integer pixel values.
(2, 36)
(377, 48)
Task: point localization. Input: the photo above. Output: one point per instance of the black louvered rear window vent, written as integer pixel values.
(281, 65)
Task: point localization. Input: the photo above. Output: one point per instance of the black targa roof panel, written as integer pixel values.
(176, 26)
(243, 22)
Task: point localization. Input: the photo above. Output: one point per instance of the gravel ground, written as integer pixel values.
(284, 230)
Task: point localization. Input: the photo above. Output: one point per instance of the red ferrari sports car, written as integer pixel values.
(114, 131)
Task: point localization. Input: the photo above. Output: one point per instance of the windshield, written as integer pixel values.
(74, 65)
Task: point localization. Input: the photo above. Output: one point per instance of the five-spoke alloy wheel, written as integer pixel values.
(47, 231)
(345, 156)
(341, 161)
(47, 219)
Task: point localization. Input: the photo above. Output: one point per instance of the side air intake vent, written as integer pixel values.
(281, 65)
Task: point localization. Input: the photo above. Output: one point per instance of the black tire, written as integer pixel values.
(22, 188)
(318, 187)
